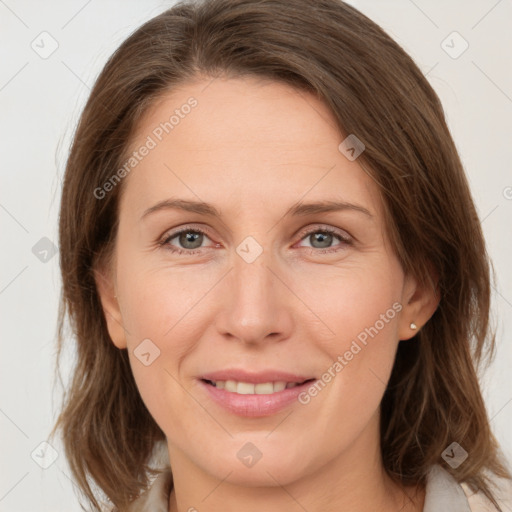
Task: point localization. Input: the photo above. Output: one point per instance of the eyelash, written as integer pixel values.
(164, 242)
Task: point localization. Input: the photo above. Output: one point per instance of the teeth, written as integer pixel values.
(247, 388)
(229, 385)
(279, 386)
(243, 388)
(265, 388)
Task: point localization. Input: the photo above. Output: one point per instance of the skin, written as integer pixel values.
(253, 148)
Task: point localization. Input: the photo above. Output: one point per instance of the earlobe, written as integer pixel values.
(110, 306)
(420, 303)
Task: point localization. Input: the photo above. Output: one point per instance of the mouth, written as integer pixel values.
(249, 388)
(254, 399)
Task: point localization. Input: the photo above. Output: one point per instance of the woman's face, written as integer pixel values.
(260, 287)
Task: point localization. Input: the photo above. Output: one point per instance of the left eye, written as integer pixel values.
(192, 239)
(324, 238)
(189, 239)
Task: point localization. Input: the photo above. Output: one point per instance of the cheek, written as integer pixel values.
(162, 327)
(362, 309)
(158, 301)
(356, 303)
(163, 394)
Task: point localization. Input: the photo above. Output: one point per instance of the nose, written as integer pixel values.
(255, 305)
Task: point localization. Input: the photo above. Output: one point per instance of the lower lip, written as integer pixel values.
(254, 405)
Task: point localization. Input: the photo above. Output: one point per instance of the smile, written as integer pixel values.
(248, 388)
(251, 399)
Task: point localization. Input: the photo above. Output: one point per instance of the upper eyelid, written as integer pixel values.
(321, 227)
(170, 234)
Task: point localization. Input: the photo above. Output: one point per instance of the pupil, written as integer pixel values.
(190, 238)
(325, 239)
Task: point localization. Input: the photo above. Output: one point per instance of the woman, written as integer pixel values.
(275, 273)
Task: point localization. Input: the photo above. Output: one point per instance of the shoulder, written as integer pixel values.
(502, 491)
(443, 492)
(156, 497)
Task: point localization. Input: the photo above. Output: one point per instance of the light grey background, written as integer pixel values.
(40, 101)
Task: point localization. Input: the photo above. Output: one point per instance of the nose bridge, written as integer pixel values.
(255, 306)
(252, 279)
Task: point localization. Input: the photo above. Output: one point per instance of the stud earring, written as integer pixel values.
(413, 326)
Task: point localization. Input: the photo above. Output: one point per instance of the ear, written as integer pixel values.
(105, 285)
(419, 303)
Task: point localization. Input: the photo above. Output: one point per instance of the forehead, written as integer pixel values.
(243, 139)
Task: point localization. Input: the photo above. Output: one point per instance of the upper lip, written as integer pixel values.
(241, 375)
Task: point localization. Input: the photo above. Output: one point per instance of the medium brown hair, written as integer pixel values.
(375, 91)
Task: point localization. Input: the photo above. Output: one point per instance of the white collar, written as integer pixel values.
(443, 492)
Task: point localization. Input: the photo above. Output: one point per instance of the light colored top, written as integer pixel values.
(443, 492)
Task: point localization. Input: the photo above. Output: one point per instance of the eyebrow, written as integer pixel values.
(298, 209)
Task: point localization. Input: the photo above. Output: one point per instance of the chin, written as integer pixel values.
(251, 467)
